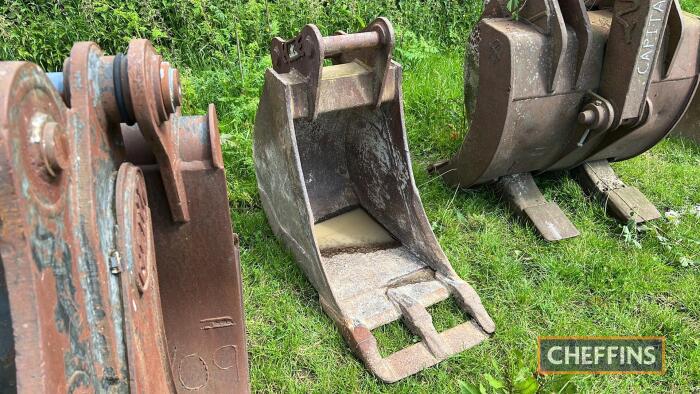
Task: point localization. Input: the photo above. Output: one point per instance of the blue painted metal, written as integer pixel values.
(56, 79)
(7, 346)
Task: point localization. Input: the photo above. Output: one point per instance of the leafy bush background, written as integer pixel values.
(202, 33)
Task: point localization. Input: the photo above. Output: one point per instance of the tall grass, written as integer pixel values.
(205, 33)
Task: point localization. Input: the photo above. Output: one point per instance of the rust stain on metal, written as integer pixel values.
(217, 322)
(95, 190)
(628, 73)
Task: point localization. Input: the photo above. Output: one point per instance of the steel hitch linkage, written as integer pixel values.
(566, 87)
(336, 183)
(119, 270)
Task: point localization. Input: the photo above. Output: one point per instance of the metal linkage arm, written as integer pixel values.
(633, 46)
(306, 52)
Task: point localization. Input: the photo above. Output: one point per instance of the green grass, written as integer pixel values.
(608, 281)
(601, 283)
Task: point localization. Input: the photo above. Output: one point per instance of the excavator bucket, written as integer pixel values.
(336, 183)
(118, 267)
(689, 126)
(564, 87)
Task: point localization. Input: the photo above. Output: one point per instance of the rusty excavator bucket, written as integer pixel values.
(689, 126)
(119, 270)
(335, 179)
(570, 87)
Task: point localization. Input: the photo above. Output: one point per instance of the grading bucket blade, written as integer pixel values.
(336, 183)
(563, 85)
(119, 271)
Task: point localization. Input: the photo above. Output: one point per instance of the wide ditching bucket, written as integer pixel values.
(567, 87)
(335, 179)
(119, 270)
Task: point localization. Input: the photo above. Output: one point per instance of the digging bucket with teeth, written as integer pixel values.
(335, 179)
(569, 87)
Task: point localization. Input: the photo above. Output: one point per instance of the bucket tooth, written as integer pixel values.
(525, 199)
(624, 202)
(419, 322)
(336, 184)
(469, 301)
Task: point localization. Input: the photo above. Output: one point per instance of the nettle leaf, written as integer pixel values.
(687, 262)
(563, 385)
(467, 388)
(526, 385)
(493, 382)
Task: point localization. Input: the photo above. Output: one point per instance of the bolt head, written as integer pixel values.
(54, 148)
(170, 87)
(587, 117)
